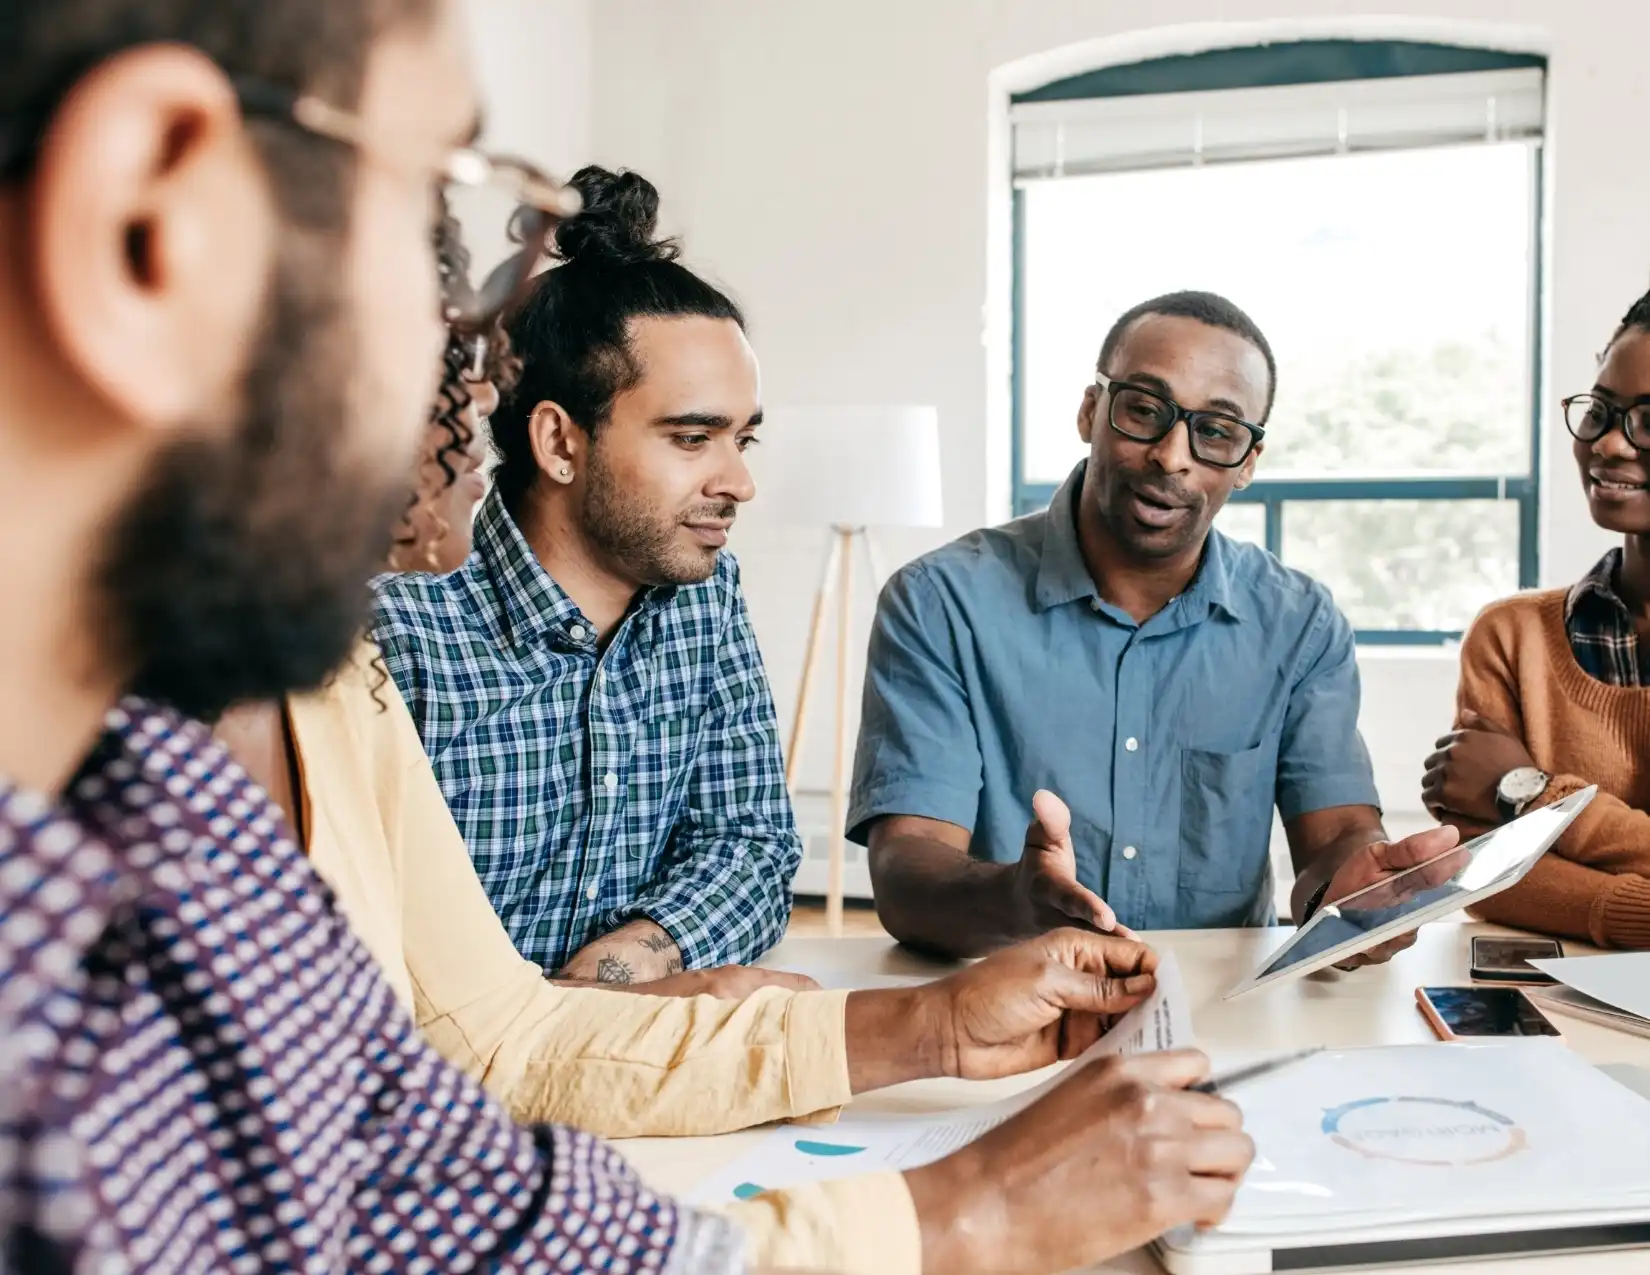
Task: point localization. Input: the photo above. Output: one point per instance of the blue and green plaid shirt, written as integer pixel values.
(595, 787)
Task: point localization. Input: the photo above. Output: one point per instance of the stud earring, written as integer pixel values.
(567, 471)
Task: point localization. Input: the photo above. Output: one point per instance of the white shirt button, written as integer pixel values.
(610, 781)
(1096, 605)
(1129, 852)
(591, 894)
(1131, 743)
(576, 632)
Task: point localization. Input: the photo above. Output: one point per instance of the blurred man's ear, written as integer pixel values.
(152, 236)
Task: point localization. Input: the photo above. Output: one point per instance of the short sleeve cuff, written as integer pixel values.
(912, 797)
(864, 1225)
(816, 1052)
(1326, 792)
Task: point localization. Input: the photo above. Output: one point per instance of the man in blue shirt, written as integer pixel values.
(587, 685)
(1170, 684)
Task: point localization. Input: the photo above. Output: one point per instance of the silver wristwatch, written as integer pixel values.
(1518, 788)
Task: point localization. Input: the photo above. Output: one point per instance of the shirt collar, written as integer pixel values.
(533, 604)
(1063, 574)
(1596, 592)
(1213, 588)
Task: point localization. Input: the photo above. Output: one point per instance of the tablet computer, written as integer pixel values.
(1453, 880)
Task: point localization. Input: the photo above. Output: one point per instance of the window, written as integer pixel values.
(1380, 224)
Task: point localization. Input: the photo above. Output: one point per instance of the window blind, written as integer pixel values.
(1079, 136)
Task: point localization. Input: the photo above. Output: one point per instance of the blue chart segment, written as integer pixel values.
(827, 1148)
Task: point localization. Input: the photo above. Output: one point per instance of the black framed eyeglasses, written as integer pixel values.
(1146, 416)
(1589, 418)
(508, 207)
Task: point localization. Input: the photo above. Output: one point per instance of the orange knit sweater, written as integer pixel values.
(1517, 668)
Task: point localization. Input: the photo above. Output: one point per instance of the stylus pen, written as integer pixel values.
(1218, 1084)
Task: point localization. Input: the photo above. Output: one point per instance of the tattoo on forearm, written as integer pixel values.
(610, 969)
(659, 943)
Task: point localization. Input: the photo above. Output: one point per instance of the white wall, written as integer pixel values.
(534, 61)
(830, 160)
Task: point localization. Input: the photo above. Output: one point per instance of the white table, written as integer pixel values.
(1374, 1006)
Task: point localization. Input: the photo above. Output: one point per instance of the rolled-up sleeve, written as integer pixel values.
(855, 1226)
(723, 887)
(918, 748)
(1322, 759)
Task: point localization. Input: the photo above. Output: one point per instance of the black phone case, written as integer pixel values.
(1531, 977)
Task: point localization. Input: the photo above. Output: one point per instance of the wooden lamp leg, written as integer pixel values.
(810, 660)
(839, 780)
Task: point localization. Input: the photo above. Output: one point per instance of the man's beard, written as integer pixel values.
(637, 536)
(239, 570)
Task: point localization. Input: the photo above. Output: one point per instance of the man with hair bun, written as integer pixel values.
(588, 686)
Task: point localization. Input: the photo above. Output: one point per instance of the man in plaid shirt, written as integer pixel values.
(588, 686)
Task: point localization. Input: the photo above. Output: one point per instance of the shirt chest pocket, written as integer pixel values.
(661, 763)
(1226, 804)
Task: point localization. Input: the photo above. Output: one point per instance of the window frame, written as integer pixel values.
(1274, 493)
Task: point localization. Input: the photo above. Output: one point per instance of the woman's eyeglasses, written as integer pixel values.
(508, 208)
(1589, 418)
(1146, 416)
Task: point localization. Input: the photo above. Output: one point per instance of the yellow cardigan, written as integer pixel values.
(615, 1063)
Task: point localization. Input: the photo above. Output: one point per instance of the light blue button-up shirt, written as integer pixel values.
(996, 669)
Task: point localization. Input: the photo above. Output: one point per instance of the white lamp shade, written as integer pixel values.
(848, 467)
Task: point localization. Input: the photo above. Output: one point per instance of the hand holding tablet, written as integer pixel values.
(1407, 899)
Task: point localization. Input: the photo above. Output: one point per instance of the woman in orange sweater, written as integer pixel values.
(1555, 689)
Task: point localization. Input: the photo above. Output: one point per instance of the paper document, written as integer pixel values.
(1401, 1134)
(1621, 979)
(1566, 1000)
(795, 1154)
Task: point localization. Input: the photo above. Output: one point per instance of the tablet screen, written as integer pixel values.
(1425, 892)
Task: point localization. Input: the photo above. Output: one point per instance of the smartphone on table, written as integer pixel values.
(1480, 1013)
(1507, 960)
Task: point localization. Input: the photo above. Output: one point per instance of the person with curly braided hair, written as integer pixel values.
(701, 1052)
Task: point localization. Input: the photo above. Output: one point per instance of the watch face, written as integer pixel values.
(1523, 784)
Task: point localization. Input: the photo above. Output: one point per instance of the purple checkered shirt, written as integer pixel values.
(201, 1068)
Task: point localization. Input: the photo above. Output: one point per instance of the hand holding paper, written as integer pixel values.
(1042, 1001)
(1052, 1198)
(1018, 1010)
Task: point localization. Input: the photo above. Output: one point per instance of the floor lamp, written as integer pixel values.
(847, 469)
